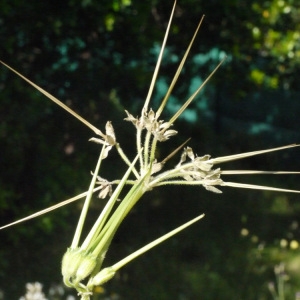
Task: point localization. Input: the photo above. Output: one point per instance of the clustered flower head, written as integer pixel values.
(82, 263)
(200, 169)
(158, 128)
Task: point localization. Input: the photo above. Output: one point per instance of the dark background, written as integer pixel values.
(98, 58)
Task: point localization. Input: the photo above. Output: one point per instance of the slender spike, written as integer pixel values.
(164, 101)
(257, 187)
(250, 172)
(222, 159)
(48, 209)
(188, 102)
(154, 243)
(146, 104)
(174, 151)
(58, 102)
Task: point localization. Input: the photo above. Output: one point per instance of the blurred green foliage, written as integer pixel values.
(98, 57)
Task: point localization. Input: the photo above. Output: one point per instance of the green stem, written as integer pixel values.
(88, 198)
(139, 147)
(146, 248)
(126, 160)
(153, 149)
(104, 238)
(146, 151)
(107, 209)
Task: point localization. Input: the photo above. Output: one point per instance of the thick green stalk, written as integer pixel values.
(107, 209)
(103, 240)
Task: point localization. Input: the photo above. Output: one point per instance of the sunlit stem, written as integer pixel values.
(85, 208)
(153, 149)
(187, 103)
(146, 248)
(224, 183)
(126, 160)
(146, 150)
(174, 80)
(139, 148)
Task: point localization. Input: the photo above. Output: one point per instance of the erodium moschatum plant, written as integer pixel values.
(82, 262)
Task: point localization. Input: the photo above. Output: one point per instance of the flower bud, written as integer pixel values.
(70, 262)
(103, 276)
(87, 265)
(77, 264)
